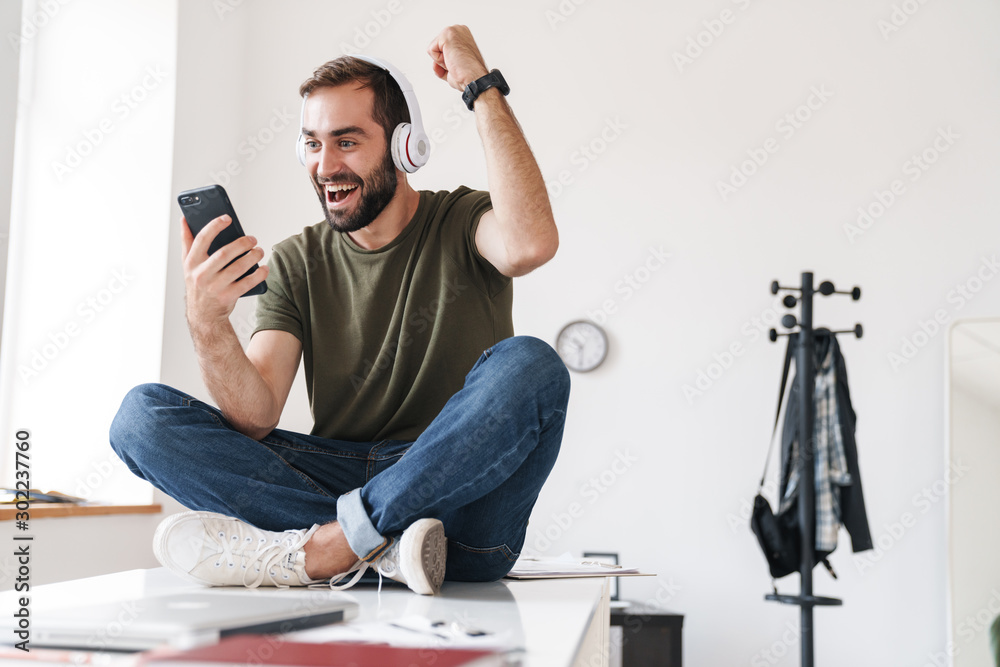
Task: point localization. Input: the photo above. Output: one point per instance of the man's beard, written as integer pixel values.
(376, 193)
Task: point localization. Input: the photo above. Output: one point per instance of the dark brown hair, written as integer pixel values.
(388, 107)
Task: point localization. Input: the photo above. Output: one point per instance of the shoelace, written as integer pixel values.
(359, 568)
(386, 565)
(264, 558)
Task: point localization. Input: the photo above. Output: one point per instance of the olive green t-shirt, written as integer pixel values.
(388, 335)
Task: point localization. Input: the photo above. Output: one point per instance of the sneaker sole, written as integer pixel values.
(425, 536)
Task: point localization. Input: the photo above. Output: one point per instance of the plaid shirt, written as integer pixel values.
(830, 460)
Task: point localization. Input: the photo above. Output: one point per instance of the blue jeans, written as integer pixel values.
(478, 467)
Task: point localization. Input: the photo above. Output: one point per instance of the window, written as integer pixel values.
(84, 298)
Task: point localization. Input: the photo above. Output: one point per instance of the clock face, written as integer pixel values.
(582, 345)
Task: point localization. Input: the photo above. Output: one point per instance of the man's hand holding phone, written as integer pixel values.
(213, 282)
(220, 262)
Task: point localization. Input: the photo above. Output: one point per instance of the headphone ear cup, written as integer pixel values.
(300, 143)
(417, 147)
(398, 148)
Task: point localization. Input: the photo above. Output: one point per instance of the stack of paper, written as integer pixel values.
(530, 567)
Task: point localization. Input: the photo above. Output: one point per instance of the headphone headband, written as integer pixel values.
(409, 145)
(405, 86)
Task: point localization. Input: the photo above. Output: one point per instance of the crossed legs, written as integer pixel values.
(478, 467)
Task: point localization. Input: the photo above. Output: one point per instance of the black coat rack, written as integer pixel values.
(806, 377)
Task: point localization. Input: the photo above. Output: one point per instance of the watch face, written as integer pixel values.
(582, 345)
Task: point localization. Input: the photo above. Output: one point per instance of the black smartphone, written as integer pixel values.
(203, 205)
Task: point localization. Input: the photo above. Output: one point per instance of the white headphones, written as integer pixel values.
(409, 145)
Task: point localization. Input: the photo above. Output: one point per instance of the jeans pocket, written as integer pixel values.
(385, 454)
(469, 563)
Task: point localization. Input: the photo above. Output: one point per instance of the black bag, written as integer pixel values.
(778, 538)
(778, 535)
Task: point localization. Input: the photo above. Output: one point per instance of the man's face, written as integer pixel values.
(347, 156)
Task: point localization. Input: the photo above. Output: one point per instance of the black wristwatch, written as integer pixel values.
(492, 80)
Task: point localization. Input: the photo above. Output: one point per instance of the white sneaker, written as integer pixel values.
(217, 550)
(416, 559)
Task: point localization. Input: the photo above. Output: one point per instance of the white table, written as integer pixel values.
(558, 622)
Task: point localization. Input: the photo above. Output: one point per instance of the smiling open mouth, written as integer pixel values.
(337, 193)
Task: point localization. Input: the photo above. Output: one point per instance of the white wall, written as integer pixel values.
(676, 502)
(78, 547)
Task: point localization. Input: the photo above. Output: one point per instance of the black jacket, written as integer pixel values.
(852, 502)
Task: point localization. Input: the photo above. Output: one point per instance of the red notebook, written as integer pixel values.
(273, 651)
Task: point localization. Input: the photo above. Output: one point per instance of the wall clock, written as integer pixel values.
(582, 345)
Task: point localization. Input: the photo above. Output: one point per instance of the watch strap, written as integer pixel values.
(492, 80)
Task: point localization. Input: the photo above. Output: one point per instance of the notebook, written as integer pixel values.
(187, 619)
(272, 652)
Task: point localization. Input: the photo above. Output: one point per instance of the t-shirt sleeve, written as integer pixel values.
(474, 204)
(277, 308)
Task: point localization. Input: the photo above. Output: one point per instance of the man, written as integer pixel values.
(427, 454)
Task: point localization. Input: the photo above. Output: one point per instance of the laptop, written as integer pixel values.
(188, 618)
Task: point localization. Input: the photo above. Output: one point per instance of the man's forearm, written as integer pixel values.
(517, 189)
(233, 381)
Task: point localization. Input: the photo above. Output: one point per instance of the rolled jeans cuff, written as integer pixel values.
(361, 535)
